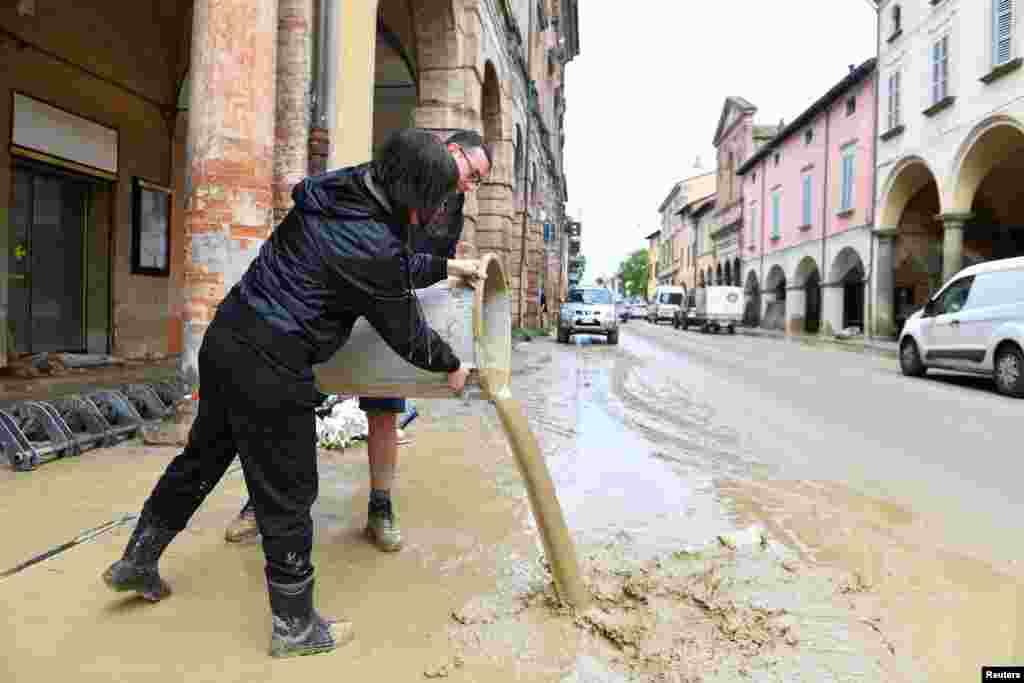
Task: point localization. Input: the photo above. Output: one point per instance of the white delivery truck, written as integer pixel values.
(714, 308)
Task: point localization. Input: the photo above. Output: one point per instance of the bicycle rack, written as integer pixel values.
(124, 420)
(16, 446)
(35, 432)
(147, 403)
(88, 426)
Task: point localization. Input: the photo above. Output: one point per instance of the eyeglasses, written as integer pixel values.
(476, 177)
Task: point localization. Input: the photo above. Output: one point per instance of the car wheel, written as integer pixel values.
(563, 336)
(910, 359)
(732, 329)
(613, 337)
(1009, 367)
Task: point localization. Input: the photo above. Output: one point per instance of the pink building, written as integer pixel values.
(808, 213)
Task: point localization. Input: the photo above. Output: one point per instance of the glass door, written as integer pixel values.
(47, 294)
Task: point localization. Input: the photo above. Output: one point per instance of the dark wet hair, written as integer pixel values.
(415, 170)
(470, 139)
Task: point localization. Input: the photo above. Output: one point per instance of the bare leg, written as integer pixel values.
(382, 448)
(382, 451)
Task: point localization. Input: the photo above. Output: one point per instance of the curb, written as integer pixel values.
(865, 347)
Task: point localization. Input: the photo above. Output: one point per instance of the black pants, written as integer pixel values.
(252, 405)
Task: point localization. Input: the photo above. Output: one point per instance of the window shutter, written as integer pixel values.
(1002, 31)
(753, 225)
(846, 200)
(807, 200)
(776, 200)
(896, 99)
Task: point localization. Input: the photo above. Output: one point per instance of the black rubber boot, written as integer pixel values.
(137, 569)
(297, 628)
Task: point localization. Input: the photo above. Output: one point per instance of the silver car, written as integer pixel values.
(588, 310)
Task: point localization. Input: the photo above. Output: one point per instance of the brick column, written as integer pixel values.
(229, 158)
(294, 78)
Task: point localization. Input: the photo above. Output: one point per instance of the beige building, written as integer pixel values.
(150, 149)
(673, 234)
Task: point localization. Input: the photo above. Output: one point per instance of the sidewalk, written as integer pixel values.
(61, 623)
(879, 347)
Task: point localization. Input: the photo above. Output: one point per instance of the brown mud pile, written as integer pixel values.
(743, 608)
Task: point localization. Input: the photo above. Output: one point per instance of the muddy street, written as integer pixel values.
(736, 515)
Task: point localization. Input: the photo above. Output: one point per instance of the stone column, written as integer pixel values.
(796, 309)
(885, 284)
(230, 155)
(952, 243)
(294, 78)
(831, 308)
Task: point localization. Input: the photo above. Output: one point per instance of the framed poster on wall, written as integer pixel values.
(151, 228)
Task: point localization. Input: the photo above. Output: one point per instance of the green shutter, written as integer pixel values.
(776, 201)
(807, 200)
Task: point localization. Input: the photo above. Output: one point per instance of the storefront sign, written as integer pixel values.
(46, 132)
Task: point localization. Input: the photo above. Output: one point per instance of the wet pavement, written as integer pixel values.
(742, 508)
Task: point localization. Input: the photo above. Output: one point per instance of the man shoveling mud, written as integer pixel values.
(438, 241)
(340, 254)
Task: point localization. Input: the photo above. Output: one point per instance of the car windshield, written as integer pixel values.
(590, 296)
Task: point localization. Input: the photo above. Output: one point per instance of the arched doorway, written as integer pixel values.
(909, 257)
(806, 319)
(847, 275)
(752, 312)
(395, 83)
(987, 189)
(775, 299)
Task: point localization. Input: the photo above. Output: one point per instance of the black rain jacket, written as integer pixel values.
(338, 255)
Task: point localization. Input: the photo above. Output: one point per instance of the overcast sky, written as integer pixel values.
(645, 93)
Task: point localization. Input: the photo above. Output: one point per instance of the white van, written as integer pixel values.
(975, 323)
(665, 302)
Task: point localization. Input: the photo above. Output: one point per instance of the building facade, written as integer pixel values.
(737, 137)
(675, 235)
(950, 146)
(148, 157)
(809, 212)
(655, 255)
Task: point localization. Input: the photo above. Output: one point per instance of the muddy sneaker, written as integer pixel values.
(137, 569)
(382, 530)
(298, 629)
(243, 527)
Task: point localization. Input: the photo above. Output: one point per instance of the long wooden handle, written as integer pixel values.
(558, 545)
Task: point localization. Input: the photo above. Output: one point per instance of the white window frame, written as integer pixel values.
(895, 109)
(939, 65)
(1003, 32)
(848, 178)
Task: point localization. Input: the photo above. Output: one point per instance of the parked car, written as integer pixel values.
(622, 310)
(665, 303)
(975, 324)
(638, 309)
(713, 309)
(589, 310)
